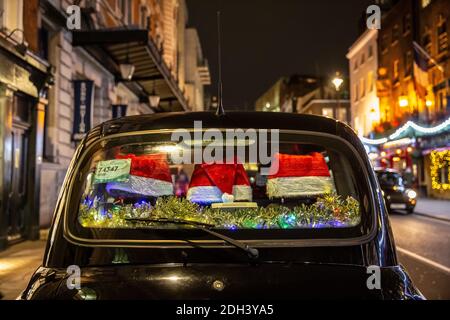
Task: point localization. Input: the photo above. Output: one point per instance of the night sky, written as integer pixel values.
(263, 40)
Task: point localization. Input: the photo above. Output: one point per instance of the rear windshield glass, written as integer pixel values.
(390, 178)
(150, 183)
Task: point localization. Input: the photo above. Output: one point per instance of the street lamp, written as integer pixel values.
(337, 82)
(154, 99)
(127, 71)
(127, 68)
(403, 101)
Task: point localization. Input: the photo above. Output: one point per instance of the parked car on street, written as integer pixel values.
(243, 205)
(396, 194)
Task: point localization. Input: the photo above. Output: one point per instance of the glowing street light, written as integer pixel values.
(403, 101)
(337, 81)
(154, 98)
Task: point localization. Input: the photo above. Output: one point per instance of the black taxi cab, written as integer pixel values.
(203, 206)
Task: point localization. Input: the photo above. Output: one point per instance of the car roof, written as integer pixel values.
(259, 120)
(386, 170)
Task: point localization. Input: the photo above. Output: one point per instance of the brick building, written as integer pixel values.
(413, 88)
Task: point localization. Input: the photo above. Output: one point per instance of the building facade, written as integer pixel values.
(396, 85)
(45, 66)
(363, 67)
(306, 94)
(413, 80)
(24, 81)
(197, 71)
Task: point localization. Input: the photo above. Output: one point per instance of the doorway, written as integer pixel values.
(19, 168)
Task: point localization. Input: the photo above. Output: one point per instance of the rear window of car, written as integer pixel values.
(148, 187)
(390, 178)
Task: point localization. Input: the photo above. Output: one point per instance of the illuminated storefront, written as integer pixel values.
(421, 154)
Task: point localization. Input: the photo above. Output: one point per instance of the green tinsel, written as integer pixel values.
(329, 211)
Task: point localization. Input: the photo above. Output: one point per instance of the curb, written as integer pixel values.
(432, 216)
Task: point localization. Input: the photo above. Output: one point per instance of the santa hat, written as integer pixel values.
(299, 176)
(149, 176)
(213, 183)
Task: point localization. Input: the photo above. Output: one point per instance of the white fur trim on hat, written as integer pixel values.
(291, 187)
(143, 186)
(204, 194)
(208, 194)
(242, 193)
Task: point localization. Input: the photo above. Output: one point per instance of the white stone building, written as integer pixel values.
(40, 62)
(363, 66)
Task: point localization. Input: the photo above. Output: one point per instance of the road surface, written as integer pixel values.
(423, 247)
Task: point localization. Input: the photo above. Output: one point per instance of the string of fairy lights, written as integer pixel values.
(440, 160)
(410, 124)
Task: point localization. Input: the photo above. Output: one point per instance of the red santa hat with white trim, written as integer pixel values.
(299, 175)
(216, 183)
(149, 176)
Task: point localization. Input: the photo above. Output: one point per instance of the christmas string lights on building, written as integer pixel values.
(404, 128)
(440, 170)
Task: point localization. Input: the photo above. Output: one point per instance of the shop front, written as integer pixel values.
(23, 82)
(436, 159)
(421, 155)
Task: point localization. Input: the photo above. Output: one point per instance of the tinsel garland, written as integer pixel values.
(329, 211)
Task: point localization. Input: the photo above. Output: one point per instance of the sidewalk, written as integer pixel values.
(438, 209)
(17, 264)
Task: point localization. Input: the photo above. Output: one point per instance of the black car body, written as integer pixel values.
(192, 264)
(396, 194)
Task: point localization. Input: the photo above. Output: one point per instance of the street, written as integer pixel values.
(423, 244)
(423, 248)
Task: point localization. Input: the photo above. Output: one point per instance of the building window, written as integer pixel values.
(395, 34)
(396, 70)
(342, 114)
(44, 38)
(407, 23)
(370, 81)
(426, 40)
(370, 52)
(356, 92)
(384, 43)
(144, 17)
(355, 66)
(363, 59)
(441, 101)
(327, 112)
(362, 84)
(408, 61)
(442, 36)
(126, 10)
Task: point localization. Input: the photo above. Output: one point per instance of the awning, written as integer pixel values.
(111, 48)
